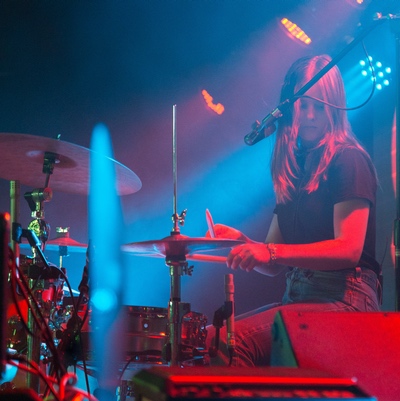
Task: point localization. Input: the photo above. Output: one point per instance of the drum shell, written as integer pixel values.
(144, 332)
(146, 329)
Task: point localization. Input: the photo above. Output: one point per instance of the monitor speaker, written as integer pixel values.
(353, 344)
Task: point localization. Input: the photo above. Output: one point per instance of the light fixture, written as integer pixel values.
(217, 108)
(295, 31)
(382, 74)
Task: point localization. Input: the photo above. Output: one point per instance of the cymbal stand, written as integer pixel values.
(178, 266)
(39, 229)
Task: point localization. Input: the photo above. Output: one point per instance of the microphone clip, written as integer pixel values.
(267, 126)
(221, 314)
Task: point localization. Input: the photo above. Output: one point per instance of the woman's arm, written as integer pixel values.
(342, 252)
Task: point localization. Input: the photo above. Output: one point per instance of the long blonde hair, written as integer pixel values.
(339, 135)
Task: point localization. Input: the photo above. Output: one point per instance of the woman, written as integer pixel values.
(323, 227)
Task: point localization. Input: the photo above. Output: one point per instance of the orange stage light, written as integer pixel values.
(217, 108)
(295, 31)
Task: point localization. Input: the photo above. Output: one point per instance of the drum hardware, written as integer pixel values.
(67, 164)
(36, 293)
(221, 314)
(63, 243)
(38, 271)
(71, 346)
(176, 248)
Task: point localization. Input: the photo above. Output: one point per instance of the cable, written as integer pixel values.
(349, 108)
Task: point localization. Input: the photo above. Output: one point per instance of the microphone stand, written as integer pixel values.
(267, 125)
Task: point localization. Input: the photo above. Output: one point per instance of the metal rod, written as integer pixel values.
(174, 313)
(175, 171)
(33, 347)
(14, 214)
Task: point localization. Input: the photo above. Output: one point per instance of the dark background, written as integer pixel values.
(67, 66)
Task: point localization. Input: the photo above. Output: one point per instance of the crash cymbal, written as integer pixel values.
(178, 245)
(22, 160)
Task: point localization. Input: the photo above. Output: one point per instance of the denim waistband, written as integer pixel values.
(359, 273)
(303, 285)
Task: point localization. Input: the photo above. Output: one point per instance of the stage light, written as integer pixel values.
(358, 3)
(382, 74)
(295, 31)
(217, 108)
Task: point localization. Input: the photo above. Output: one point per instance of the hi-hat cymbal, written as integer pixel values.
(178, 245)
(22, 160)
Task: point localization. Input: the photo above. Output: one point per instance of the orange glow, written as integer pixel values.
(295, 31)
(217, 108)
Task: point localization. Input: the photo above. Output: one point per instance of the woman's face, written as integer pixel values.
(313, 118)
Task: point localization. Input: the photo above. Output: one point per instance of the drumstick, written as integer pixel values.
(206, 258)
(210, 224)
(194, 256)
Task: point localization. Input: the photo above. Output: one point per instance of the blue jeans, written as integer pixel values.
(351, 290)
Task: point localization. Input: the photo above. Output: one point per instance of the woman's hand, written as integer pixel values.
(249, 256)
(223, 231)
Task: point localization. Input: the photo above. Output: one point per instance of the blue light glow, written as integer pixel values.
(379, 78)
(104, 300)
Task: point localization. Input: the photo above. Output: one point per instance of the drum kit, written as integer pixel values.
(171, 336)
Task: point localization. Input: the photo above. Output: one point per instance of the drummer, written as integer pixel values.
(323, 226)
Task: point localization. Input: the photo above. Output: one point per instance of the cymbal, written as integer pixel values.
(55, 243)
(22, 160)
(178, 245)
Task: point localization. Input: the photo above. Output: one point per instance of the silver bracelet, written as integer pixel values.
(272, 253)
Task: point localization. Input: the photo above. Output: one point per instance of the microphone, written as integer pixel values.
(267, 126)
(230, 321)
